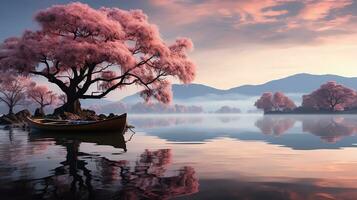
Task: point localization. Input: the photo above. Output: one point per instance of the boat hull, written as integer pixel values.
(117, 124)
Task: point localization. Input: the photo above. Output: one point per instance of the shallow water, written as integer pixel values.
(187, 157)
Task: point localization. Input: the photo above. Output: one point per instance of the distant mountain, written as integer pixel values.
(299, 83)
(194, 90)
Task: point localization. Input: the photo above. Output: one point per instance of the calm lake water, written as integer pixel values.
(187, 157)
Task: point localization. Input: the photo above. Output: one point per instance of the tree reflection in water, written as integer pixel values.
(147, 180)
(76, 178)
(274, 125)
(330, 129)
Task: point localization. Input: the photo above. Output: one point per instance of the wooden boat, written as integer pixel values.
(117, 124)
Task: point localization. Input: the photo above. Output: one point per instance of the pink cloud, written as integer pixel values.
(258, 11)
(318, 9)
(279, 22)
(341, 23)
(273, 13)
(254, 11)
(250, 12)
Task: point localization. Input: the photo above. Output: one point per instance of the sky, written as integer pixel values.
(237, 42)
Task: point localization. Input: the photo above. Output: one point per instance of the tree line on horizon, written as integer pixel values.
(329, 97)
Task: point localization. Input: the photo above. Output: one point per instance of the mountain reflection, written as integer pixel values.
(87, 176)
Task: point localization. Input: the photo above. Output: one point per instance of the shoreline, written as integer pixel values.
(354, 112)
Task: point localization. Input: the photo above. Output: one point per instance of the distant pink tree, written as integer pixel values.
(277, 102)
(308, 101)
(78, 47)
(265, 102)
(282, 102)
(42, 96)
(330, 96)
(13, 90)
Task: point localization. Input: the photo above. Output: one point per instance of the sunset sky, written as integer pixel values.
(238, 41)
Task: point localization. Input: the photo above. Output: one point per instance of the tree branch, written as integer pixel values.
(51, 78)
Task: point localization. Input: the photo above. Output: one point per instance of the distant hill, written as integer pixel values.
(299, 83)
(194, 90)
(182, 92)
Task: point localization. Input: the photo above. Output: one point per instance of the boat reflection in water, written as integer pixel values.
(88, 176)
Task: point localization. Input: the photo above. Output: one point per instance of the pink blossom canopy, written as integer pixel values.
(277, 101)
(13, 89)
(265, 102)
(77, 46)
(330, 96)
(42, 95)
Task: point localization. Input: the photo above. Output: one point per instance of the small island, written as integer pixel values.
(329, 98)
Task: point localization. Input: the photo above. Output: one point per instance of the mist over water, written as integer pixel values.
(210, 103)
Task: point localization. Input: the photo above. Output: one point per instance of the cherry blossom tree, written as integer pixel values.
(42, 96)
(265, 102)
(78, 48)
(13, 90)
(274, 102)
(330, 96)
(308, 102)
(282, 102)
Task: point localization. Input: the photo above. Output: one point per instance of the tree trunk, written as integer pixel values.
(70, 106)
(11, 110)
(42, 110)
(332, 108)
